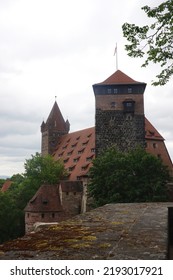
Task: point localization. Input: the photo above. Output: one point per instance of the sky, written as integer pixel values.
(61, 48)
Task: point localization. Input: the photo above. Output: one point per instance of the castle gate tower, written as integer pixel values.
(119, 116)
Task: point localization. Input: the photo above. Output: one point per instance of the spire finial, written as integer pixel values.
(55, 97)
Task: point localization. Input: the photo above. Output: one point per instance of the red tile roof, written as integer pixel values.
(77, 150)
(46, 199)
(119, 78)
(151, 132)
(6, 185)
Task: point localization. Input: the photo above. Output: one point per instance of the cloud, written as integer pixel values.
(61, 48)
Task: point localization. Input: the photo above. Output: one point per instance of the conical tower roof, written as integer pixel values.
(56, 117)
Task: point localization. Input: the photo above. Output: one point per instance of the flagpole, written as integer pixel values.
(116, 57)
(116, 54)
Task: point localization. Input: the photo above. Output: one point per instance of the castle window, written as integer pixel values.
(53, 215)
(109, 90)
(113, 104)
(129, 106)
(67, 193)
(129, 90)
(45, 201)
(28, 215)
(129, 117)
(42, 215)
(154, 145)
(74, 193)
(92, 150)
(115, 90)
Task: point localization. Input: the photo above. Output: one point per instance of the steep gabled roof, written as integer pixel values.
(119, 78)
(46, 199)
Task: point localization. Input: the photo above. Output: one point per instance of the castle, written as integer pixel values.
(119, 120)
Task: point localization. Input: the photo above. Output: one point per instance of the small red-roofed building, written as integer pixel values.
(6, 185)
(54, 203)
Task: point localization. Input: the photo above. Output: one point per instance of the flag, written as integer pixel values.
(115, 51)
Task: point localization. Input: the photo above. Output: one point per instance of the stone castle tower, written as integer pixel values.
(52, 130)
(119, 117)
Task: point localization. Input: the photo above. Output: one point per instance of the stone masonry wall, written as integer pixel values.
(126, 131)
(72, 203)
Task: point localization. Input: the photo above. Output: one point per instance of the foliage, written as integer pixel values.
(44, 169)
(2, 181)
(135, 176)
(11, 217)
(38, 170)
(155, 40)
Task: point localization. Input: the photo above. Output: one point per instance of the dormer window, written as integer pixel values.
(76, 159)
(70, 153)
(71, 168)
(74, 145)
(81, 151)
(85, 143)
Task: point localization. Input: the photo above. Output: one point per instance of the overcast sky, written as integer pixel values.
(61, 48)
